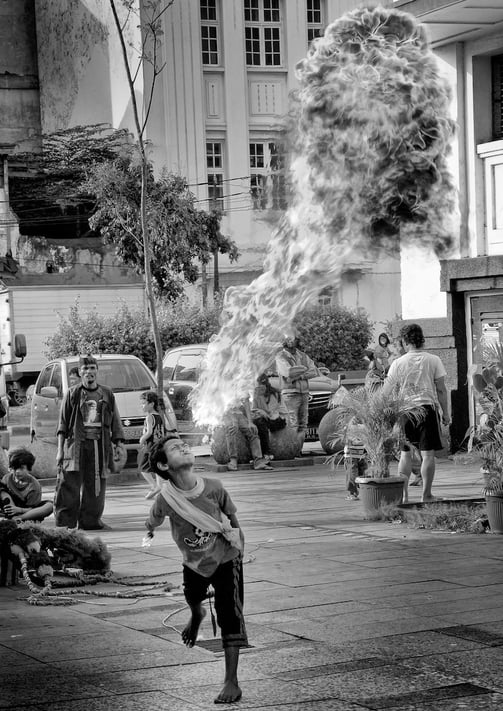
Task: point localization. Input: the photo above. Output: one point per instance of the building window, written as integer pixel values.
(267, 176)
(263, 33)
(209, 32)
(315, 19)
(214, 164)
(497, 96)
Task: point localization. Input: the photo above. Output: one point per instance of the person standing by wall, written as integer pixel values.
(423, 374)
(295, 369)
(382, 352)
(89, 423)
(153, 430)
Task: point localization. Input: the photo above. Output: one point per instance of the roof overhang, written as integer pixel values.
(455, 20)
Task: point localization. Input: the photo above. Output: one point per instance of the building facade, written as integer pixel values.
(465, 293)
(218, 118)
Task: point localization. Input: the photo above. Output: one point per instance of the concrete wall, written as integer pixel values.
(19, 92)
(82, 76)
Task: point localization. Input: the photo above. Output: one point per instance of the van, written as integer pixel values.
(182, 367)
(128, 377)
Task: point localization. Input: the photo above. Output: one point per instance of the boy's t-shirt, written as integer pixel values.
(202, 551)
(30, 496)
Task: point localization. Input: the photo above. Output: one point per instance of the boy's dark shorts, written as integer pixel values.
(227, 581)
(425, 435)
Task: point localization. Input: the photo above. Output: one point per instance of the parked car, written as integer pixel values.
(128, 377)
(182, 366)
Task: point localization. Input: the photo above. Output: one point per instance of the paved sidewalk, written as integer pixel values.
(343, 614)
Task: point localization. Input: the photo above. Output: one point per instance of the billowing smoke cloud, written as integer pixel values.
(371, 136)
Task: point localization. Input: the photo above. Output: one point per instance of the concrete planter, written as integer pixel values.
(494, 502)
(284, 445)
(219, 448)
(377, 492)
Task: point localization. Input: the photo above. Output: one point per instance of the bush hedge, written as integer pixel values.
(335, 336)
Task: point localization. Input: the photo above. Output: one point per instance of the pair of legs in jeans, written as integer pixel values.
(235, 422)
(297, 406)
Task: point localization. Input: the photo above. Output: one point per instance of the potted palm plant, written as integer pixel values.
(372, 415)
(486, 438)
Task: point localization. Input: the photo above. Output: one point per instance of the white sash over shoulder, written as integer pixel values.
(199, 518)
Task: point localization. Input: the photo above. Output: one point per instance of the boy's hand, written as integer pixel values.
(59, 457)
(12, 510)
(147, 539)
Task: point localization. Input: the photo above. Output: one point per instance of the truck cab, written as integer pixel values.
(19, 352)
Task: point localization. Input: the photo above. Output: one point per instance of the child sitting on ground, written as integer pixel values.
(205, 529)
(20, 492)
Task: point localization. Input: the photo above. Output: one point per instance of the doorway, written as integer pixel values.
(485, 325)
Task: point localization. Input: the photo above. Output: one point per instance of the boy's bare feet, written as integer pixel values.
(189, 633)
(229, 694)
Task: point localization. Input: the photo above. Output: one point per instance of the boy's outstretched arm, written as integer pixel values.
(155, 518)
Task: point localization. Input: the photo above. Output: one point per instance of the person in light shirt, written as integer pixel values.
(423, 375)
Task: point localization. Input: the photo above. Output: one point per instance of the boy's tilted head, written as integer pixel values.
(21, 462)
(170, 453)
(21, 457)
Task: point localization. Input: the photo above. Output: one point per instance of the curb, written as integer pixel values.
(18, 429)
(129, 476)
(209, 464)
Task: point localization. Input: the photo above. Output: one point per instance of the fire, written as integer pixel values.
(371, 136)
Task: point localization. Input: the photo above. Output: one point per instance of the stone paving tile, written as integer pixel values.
(322, 705)
(338, 630)
(437, 695)
(474, 580)
(443, 595)
(363, 685)
(50, 628)
(411, 646)
(495, 627)
(482, 702)
(150, 619)
(295, 577)
(466, 603)
(136, 661)
(151, 701)
(259, 694)
(328, 669)
(484, 668)
(161, 678)
(301, 654)
(259, 635)
(44, 687)
(92, 645)
(472, 617)
(353, 612)
(9, 659)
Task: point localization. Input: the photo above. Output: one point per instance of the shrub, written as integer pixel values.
(129, 331)
(336, 337)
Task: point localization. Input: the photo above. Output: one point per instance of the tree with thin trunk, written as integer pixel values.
(151, 33)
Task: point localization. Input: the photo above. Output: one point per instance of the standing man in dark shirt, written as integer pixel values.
(89, 423)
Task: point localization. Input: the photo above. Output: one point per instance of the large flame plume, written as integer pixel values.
(371, 136)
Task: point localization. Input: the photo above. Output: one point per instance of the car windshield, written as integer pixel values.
(123, 375)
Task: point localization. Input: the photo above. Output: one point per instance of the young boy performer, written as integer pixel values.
(205, 529)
